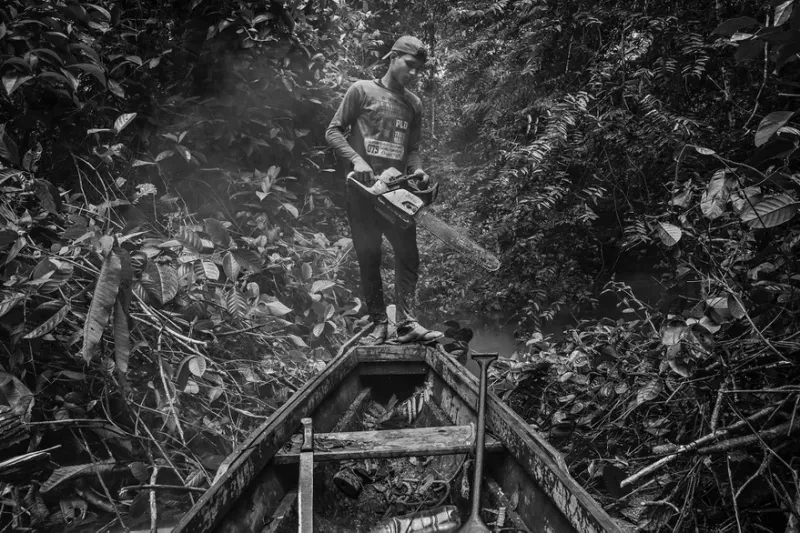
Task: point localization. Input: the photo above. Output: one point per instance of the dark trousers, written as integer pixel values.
(367, 227)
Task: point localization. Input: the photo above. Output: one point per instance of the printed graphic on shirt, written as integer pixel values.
(387, 150)
(386, 128)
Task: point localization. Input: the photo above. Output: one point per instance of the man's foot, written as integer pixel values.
(378, 335)
(413, 331)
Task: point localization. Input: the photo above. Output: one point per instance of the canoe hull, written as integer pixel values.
(529, 473)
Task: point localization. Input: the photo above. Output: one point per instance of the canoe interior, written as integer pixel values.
(269, 504)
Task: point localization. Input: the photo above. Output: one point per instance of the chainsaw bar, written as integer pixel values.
(402, 207)
(460, 243)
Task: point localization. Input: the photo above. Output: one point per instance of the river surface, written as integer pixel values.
(497, 334)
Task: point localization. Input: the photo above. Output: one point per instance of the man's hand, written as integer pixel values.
(422, 179)
(363, 172)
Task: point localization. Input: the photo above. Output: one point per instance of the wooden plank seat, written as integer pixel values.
(388, 443)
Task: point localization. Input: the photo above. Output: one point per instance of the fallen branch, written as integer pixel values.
(178, 336)
(681, 450)
(247, 329)
(153, 506)
(96, 500)
(162, 487)
(784, 429)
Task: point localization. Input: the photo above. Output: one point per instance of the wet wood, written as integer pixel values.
(258, 501)
(262, 496)
(387, 353)
(354, 412)
(285, 517)
(392, 369)
(390, 443)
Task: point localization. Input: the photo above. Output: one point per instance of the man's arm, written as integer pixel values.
(346, 117)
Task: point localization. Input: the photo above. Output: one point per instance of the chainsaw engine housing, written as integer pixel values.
(398, 206)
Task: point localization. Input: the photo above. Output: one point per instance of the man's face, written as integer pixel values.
(406, 69)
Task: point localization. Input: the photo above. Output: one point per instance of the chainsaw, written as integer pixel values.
(400, 200)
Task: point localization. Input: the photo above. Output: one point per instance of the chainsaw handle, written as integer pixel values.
(392, 184)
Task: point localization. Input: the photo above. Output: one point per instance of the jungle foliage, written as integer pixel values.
(174, 263)
(171, 269)
(582, 135)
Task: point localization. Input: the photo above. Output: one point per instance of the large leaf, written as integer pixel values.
(668, 233)
(248, 259)
(673, 332)
(276, 308)
(207, 269)
(190, 239)
(160, 281)
(13, 81)
(198, 365)
(742, 199)
(184, 152)
(8, 148)
(190, 365)
(183, 373)
(123, 120)
(299, 342)
(783, 12)
(682, 198)
(94, 70)
(307, 271)
(218, 232)
(48, 325)
(65, 473)
(122, 336)
(650, 391)
(236, 303)
(771, 211)
(771, 124)
(716, 195)
(735, 307)
(731, 26)
(16, 395)
(231, 266)
(63, 272)
(291, 209)
(105, 294)
(139, 471)
(9, 302)
(322, 285)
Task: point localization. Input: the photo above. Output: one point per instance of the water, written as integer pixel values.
(498, 333)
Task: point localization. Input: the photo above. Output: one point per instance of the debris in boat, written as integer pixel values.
(500, 513)
(348, 482)
(440, 520)
(395, 416)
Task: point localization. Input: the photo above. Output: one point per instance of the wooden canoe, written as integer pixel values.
(257, 491)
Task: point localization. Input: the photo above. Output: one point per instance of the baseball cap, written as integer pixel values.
(408, 44)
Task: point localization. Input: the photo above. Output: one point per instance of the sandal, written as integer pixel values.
(413, 331)
(378, 334)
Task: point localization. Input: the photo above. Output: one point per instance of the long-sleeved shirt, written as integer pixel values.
(385, 127)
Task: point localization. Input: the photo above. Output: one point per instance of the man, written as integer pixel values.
(385, 123)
